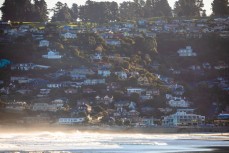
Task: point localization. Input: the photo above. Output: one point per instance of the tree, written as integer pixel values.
(204, 13)
(40, 11)
(83, 13)
(220, 7)
(162, 8)
(146, 45)
(129, 11)
(19, 10)
(154, 8)
(114, 11)
(89, 40)
(62, 13)
(149, 8)
(100, 12)
(74, 11)
(188, 8)
(7, 13)
(24, 10)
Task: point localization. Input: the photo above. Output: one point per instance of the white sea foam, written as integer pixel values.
(97, 142)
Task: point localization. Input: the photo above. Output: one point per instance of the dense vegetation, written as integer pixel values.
(104, 12)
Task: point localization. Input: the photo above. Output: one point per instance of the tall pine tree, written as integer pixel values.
(62, 13)
(188, 8)
(74, 11)
(40, 11)
(24, 10)
(220, 7)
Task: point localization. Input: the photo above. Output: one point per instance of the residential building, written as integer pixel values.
(147, 95)
(134, 74)
(184, 52)
(44, 92)
(178, 102)
(45, 107)
(146, 122)
(121, 104)
(59, 102)
(121, 74)
(132, 106)
(113, 42)
(143, 80)
(206, 66)
(69, 35)
(71, 91)
(96, 56)
(183, 118)
(133, 114)
(28, 66)
(104, 72)
(71, 120)
(105, 100)
(54, 85)
(16, 106)
(135, 90)
(94, 81)
(21, 80)
(52, 55)
(44, 43)
(23, 66)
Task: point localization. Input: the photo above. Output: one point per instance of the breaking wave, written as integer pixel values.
(99, 142)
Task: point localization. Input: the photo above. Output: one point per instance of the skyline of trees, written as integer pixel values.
(24, 10)
(188, 8)
(104, 12)
(220, 7)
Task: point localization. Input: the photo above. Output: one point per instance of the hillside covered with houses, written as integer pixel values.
(144, 73)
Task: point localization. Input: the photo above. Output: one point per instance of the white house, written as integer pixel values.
(71, 120)
(21, 80)
(69, 35)
(113, 42)
(58, 102)
(104, 72)
(146, 122)
(16, 106)
(94, 81)
(52, 55)
(186, 52)
(96, 56)
(45, 107)
(182, 118)
(178, 102)
(45, 91)
(128, 25)
(106, 99)
(54, 85)
(23, 66)
(207, 65)
(28, 66)
(135, 90)
(44, 43)
(121, 75)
